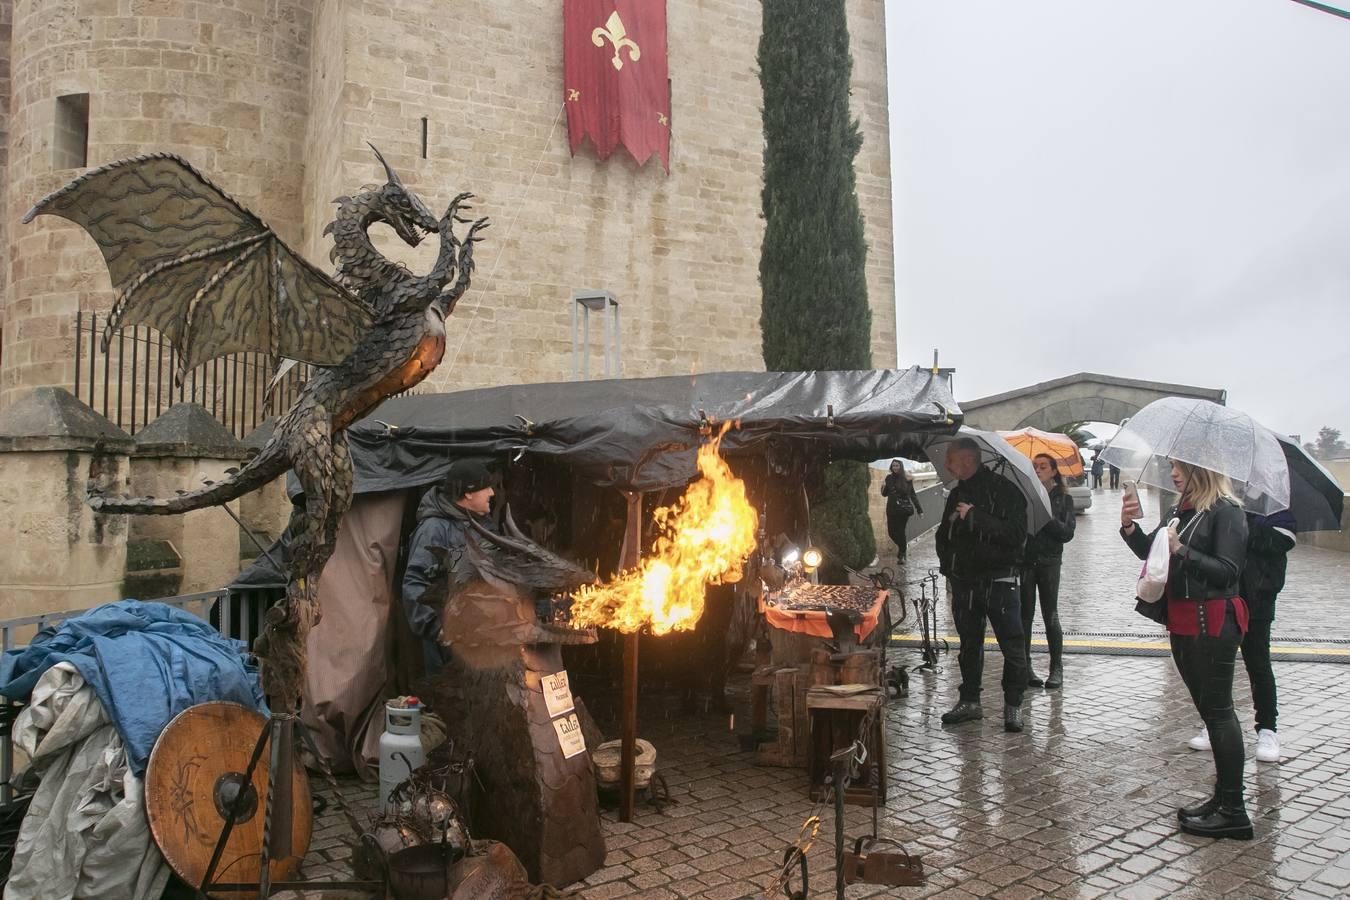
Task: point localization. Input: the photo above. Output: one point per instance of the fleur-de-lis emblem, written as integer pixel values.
(618, 36)
(573, 94)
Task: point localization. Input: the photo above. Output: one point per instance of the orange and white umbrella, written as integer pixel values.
(1032, 442)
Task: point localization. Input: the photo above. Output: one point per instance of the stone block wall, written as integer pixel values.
(275, 100)
(59, 554)
(225, 85)
(679, 251)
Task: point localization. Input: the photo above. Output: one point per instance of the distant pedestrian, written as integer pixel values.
(1269, 540)
(1206, 618)
(1115, 477)
(902, 501)
(1098, 468)
(1040, 571)
(979, 548)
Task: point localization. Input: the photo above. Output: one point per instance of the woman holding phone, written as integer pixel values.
(1040, 570)
(1206, 618)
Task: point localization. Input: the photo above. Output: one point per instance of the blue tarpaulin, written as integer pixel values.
(147, 662)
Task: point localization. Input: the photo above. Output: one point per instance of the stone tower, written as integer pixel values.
(275, 100)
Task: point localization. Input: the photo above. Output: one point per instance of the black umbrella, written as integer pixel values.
(1315, 498)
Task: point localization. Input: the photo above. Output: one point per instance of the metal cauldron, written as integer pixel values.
(420, 873)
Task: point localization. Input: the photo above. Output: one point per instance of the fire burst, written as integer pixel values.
(705, 538)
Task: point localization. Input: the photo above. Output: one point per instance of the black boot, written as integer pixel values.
(1228, 820)
(1012, 717)
(964, 711)
(1034, 681)
(1200, 810)
(1056, 676)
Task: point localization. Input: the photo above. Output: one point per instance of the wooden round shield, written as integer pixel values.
(196, 772)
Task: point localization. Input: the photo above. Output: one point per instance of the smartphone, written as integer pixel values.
(1132, 490)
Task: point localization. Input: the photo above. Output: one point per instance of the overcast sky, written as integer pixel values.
(1154, 189)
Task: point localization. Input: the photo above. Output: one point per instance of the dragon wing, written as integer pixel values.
(189, 261)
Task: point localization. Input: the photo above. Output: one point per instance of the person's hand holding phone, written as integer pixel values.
(1131, 509)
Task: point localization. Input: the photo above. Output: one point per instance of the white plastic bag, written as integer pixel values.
(1153, 576)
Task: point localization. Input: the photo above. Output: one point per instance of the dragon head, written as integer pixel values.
(399, 208)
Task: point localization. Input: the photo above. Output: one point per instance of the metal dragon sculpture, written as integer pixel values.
(188, 260)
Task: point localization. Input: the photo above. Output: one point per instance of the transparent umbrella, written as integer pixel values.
(1218, 438)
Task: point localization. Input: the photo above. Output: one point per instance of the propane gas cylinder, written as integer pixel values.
(400, 747)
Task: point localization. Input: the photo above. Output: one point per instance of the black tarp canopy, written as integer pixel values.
(642, 433)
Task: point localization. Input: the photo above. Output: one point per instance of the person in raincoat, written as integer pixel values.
(1098, 469)
(1040, 570)
(902, 501)
(1206, 619)
(438, 543)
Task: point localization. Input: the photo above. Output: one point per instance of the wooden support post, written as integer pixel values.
(632, 553)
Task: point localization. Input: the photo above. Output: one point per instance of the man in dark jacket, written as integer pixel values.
(979, 547)
(436, 560)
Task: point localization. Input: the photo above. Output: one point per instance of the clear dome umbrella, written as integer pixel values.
(1218, 438)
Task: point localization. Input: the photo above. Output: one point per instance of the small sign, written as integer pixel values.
(569, 735)
(557, 694)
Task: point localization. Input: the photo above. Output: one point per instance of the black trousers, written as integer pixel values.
(1115, 478)
(896, 523)
(1043, 580)
(1256, 657)
(974, 601)
(1206, 666)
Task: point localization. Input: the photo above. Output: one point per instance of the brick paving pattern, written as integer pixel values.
(1081, 804)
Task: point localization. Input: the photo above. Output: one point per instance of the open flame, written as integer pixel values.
(705, 538)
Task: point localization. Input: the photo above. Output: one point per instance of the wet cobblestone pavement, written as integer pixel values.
(1081, 804)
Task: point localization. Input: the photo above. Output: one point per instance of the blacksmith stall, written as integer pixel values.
(683, 499)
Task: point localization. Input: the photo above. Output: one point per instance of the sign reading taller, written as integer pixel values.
(615, 76)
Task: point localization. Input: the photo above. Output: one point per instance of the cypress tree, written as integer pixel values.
(814, 313)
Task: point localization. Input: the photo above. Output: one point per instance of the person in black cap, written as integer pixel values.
(438, 543)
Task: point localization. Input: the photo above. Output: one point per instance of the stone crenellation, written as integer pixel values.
(276, 99)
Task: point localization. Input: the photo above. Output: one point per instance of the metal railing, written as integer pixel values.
(132, 382)
(235, 614)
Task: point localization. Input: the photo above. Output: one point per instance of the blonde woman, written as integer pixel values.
(1206, 620)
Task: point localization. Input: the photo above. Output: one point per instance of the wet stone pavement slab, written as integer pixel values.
(1081, 804)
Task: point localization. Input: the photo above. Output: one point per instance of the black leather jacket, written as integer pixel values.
(987, 543)
(1215, 550)
(1047, 545)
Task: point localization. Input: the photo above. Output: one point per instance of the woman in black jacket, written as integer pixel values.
(902, 501)
(1040, 570)
(1206, 619)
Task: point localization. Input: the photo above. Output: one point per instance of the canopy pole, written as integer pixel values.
(632, 543)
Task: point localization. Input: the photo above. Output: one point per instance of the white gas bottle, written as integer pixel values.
(400, 747)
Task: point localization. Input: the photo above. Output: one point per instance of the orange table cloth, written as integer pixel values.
(779, 611)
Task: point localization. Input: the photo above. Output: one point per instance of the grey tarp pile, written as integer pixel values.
(85, 834)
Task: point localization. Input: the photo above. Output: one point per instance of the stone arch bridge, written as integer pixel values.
(1085, 397)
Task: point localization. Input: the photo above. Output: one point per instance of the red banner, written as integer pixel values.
(615, 81)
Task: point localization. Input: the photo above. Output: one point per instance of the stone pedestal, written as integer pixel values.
(268, 509)
(58, 553)
(179, 451)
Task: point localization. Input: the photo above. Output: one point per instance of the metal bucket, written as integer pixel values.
(419, 873)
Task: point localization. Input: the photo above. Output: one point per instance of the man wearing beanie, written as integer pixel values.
(438, 542)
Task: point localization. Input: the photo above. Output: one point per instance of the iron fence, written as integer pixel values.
(235, 614)
(132, 383)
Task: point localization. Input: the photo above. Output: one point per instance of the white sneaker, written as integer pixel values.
(1267, 746)
(1200, 741)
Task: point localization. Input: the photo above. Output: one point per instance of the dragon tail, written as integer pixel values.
(258, 471)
